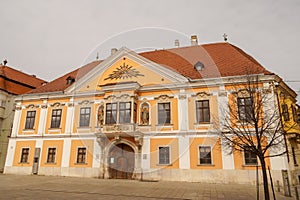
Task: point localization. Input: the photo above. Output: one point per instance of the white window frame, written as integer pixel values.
(86, 155)
(211, 155)
(56, 149)
(27, 157)
(170, 153)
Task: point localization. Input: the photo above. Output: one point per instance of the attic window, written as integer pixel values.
(199, 66)
(70, 80)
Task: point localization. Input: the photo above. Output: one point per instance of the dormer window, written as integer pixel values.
(199, 66)
(70, 80)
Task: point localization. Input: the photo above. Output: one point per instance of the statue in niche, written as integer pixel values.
(145, 114)
(101, 115)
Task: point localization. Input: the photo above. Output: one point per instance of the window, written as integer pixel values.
(30, 117)
(205, 154)
(164, 155)
(164, 113)
(84, 117)
(245, 109)
(111, 113)
(125, 112)
(250, 157)
(294, 110)
(81, 155)
(51, 155)
(202, 111)
(24, 155)
(118, 113)
(285, 112)
(56, 118)
(294, 156)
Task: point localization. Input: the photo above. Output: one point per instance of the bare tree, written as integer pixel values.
(252, 123)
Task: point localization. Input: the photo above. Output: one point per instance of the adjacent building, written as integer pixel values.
(154, 115)
(12, 83)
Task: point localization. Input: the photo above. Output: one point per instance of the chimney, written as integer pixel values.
(113, 51)
(194, 40)
(176, 43)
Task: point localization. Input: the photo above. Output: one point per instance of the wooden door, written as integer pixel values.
(121, 161)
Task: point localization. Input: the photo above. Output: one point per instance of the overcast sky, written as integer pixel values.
(51, 38)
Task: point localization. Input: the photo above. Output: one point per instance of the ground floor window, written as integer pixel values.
(205, 154)
(81, 155)
(164, 155)
(24, 155)
(249, 156)
(51, 155)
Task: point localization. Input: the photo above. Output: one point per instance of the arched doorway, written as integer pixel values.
(121, 161)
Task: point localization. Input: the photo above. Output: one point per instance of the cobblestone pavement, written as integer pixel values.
(50, 187)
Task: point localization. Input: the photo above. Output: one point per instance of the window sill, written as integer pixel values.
(202, 123)
(51, 130)
(208, 165)
(80, 163)
(54, 128)
(28, 131)
(250, 165)
(50, 163)
(83, 127)
(164, 164)
(165, 125)
(23, 163)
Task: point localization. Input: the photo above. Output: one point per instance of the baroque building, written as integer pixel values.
(12, 83)
(154, 116)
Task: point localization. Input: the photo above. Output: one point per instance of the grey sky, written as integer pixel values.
(51, 38)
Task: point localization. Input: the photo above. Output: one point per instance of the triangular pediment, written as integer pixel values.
(126, 66)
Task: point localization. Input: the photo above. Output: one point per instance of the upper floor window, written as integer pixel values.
(81, 155)
(202, 111)
(164, 113)
(249, 156)
(51, 155)
(205, 154)
(84, 116)
(245, 109)
(124, 112)
(30, 117)
(295, 116)
(111, 113)
(164, 155)
(118, 113)
(56, 118)
(24, 155)
(285, 112)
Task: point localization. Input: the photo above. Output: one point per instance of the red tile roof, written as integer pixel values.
(219, 59)
(61, 84)
(16, 82)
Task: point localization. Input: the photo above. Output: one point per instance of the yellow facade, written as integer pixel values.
(90, 149)
(89, 145)
(59, 145)
(216, 152)
(172, 143)
(18, 153)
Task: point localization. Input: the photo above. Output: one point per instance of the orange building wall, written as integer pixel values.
(18, 152)
(58, 144)
(216, 153)
(174, 152)
(89, 144)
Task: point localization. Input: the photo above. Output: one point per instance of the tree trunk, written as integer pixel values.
(265, 178)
